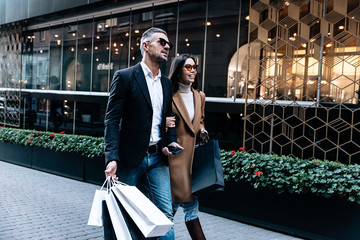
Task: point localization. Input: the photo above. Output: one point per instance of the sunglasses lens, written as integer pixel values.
(163, 43)
(189, 67)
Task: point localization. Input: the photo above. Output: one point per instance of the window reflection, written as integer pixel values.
(101, 50)
(70, 64)
(84, 56)
(56, 36)
(141, 21)
(191, 32)
(222, 29)
(120, 26)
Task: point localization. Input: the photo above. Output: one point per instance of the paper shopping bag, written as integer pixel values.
(207, 172)
(117, 219)
(109, 233)
(148, 218)
(95, 217)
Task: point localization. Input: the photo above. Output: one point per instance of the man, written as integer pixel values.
(135, 136)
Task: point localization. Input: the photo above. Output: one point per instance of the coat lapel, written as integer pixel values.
(180, 106)
(140, 78)
(197, 108)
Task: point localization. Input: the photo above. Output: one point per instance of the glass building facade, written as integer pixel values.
(279, 76)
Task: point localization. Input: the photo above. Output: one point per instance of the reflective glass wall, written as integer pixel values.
(84, 55)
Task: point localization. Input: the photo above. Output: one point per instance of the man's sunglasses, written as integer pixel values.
(163, 43)
(189, 67)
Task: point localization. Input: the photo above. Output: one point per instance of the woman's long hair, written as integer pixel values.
(175, 71)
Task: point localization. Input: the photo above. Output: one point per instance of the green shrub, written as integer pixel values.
(84, 145)
(281, 173)
(293, 175)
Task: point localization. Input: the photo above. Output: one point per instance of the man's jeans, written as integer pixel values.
(152, 177)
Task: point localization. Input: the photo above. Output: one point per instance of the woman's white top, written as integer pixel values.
(188, 98)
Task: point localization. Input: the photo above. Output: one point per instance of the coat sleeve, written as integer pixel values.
(113, 116)
(202, 96)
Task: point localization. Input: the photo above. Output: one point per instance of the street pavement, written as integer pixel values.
(37, 205)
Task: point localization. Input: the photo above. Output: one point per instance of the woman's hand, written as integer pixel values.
(170, 122)
(203, 134)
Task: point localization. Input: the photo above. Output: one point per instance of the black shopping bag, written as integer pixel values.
(207, 172)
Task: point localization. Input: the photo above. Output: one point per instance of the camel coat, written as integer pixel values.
(180, 165)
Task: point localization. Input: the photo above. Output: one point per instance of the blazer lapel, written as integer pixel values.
(180, 106)
(140, 78)
(166, 91)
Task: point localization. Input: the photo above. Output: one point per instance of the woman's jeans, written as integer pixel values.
(153, 179)
(190, 209)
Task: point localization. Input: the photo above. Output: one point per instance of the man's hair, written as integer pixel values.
(147, 36)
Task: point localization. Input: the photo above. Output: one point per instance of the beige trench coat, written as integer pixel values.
(180, 165)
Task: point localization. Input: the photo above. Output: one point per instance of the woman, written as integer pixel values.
(188, 108)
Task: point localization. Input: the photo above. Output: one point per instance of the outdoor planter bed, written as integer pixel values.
(15, 153)
(312, 199)
(73, 156)
(315, 199)
(305, 215)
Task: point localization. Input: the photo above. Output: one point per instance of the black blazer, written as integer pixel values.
(128, 117)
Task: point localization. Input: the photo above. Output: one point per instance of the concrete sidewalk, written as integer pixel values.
(38, 205)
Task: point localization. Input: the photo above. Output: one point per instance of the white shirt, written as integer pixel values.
(188, 98)
(156, 96)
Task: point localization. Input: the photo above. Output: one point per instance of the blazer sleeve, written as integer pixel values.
(113, 116)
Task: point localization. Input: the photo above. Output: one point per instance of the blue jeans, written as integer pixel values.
(153, 179)
(190, 209)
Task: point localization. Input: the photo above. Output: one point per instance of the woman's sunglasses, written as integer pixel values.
(189, 67)
(163, 43)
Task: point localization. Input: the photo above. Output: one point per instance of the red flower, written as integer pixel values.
(233, 152)
(315, 161)
(29, 141)
(51, 134)
(38, 132)
(251, 166)
(258, 173)
(18, 130)
(242, 149)
(31, 134)
(62, 132)
(38, 137)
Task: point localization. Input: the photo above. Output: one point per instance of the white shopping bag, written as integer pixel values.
(117, 219)
(95, 217)
(149, 219)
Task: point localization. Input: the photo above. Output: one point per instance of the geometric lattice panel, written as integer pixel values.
(304, 96)
(10, 72)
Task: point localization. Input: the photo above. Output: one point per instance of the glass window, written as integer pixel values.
(55, 58)
(70, 65)
(141, 21)
(101, 55)
(191, 32)
(120, 43)
(90, 118)
(83, 77)
(27, 60)
(165, 17)
(221, 45)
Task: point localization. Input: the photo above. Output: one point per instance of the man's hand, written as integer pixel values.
(111, 170)
(166, 151)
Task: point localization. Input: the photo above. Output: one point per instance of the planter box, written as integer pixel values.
(15, 153)
(94, 170)
(306, 215)
(60, 163)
